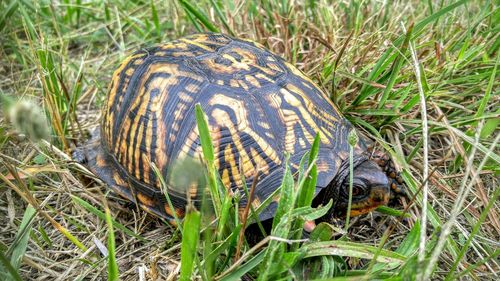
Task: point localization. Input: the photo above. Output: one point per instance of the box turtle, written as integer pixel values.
(259, 108)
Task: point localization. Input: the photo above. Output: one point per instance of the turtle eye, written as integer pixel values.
(356, 190)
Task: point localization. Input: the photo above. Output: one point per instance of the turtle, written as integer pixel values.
(260, 109)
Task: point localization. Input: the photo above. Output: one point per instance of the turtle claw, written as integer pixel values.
(397, 190)
(78, 155)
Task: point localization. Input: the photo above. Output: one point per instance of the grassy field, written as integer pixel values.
(376, 59)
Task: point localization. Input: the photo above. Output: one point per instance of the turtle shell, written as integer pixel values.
(259, 108)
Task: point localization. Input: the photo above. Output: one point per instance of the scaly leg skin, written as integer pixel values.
(78, 155)
(398, 188)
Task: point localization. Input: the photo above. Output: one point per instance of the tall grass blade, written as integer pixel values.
(286, 201)
(22, 238)
(217, 195)
(164, 188)
(8, 271)
(112, 265)
(224, 245)
(156, 20)
(221, 17)
(352, 139)
(394, 71)
(198, 15)
(350, 249)
(236, 274)
(102, 215)
(480, 111)
(306, 191)
(190, 237)
(389, 55)
(7, 13)
(281, 225)
(205, 139)
(481, 262)
(472, 235)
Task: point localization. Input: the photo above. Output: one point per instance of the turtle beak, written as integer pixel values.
(379, 195)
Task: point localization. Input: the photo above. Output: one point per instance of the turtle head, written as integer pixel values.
(370, 189)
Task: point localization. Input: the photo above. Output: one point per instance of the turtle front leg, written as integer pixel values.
(398, 188)
(78, 155)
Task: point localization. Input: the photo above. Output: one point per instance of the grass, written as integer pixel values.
(386, 65)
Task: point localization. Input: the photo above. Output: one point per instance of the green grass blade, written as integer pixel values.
(224, 216)
(352, 139)
(322, 232)
(8, 13)
(45, 236)
(470, 268)
(350, 249)
(164, 189)
(306, 192)
(307, 189)
(224, 245)
(265, 203)
(490, 126)
(281, 225)
(407, 248)
(22, 237)
(243, 269)
(10, 273)
(475, 230)
(309, 213)
(487, 94)
(190, 237)
(198, 14)
(100, 214)
(394, 71)
(275, 250)
(205, 139)
(112, 265)
(217, 195)
(221, 17)
(392, 212)
(156, 20)
(385, 59)
(194, 21)
(286, 201)
(480, 111)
